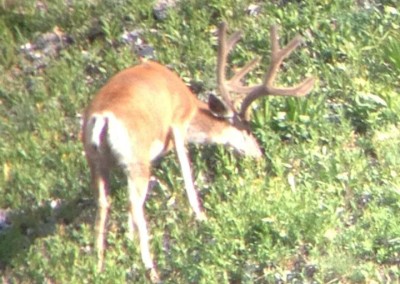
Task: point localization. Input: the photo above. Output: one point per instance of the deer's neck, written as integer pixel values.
(205, 128)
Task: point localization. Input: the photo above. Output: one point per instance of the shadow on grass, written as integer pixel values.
(20, 228)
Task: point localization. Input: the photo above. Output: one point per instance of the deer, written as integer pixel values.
(144, 111)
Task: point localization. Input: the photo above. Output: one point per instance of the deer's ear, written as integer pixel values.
(218, 107)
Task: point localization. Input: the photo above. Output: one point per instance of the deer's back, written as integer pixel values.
(146, 101)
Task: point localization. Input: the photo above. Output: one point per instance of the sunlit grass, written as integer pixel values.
(321, 206)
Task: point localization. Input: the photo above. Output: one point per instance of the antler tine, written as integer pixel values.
(300, 90)
(235, 80)
(233, 84)
(278, 54)
(267, 88)
(223, 50)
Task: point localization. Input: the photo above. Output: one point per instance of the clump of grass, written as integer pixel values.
(392, 50)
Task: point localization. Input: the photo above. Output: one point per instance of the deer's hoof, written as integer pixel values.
(152, 275)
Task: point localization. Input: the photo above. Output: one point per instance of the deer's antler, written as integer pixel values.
(267, 88)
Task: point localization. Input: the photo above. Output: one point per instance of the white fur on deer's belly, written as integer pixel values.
(197, 137)
(118, 140)
(156, 149)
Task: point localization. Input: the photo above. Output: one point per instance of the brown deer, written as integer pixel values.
(144, 111)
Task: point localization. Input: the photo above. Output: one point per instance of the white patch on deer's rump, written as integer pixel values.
(119, 140)
(96, 125)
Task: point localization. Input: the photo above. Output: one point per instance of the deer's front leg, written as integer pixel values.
(187, 174)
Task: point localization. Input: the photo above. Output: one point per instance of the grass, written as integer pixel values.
(323, 204)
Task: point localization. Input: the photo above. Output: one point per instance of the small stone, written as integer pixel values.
(161, 7)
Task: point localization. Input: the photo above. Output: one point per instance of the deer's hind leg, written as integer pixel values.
(138, 182)
(100, 183)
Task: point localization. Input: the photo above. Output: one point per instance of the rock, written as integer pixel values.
(44, 47)
(161, 7)
(4, 219)
(134, 39)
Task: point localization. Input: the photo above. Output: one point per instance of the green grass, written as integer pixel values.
(322, 205)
